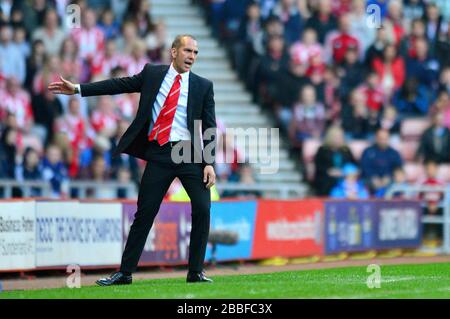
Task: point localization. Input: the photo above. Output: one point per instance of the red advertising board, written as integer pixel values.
(288, 228)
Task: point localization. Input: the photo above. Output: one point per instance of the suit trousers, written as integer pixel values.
(158, 175)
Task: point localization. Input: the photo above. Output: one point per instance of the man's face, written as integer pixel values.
(382, 139)
(185, 56)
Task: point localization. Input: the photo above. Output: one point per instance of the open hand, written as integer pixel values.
(63, 87)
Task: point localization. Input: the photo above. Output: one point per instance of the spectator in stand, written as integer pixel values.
(8, 150)
(20, 40)
(390, 69)
(123, 161)
(109, 25)
(329, 161)
(98, 172)
(308, 118)
(399, 181)
(12, 60)
(412, 99)
(51, 34)
(394, 17)
(338, 42)
(139, 12)
(421, 66)
(104, 119)
(444, 80)
(46, 109)
(128, 36)
(49, 73)
(272, 67)
(105, 61)
(124, 176)
(442, 104)
(138, 58)
(302, 52)
(442, 48)
(71, 66)
(157, 44)
(350, 187)
(89, 38)
(55, 171)
(433, 22)
(384, 36)
(78, 132)
(390, 121)
(322, 20)
(16, 101)
(244, 176)
(435, 141)
(249, 43)
(351, 71)
(373, 93)
(332, 96)
(432, 198)
(378, 163)
(288, 13)
(34, 63)
(408, 43)
(30, 170)
(127, 104)
(432, 201)
(357, 121)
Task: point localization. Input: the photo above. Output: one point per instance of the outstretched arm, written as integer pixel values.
(129, 84)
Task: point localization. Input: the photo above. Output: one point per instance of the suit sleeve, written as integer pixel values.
(209, 127)
(130, 84)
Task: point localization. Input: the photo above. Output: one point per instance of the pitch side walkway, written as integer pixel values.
(87, 280)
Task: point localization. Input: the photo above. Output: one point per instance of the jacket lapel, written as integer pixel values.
(155, 85)
(191, 96)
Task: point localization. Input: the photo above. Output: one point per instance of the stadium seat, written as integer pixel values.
(357, 147)
(414, 172)
(443, 173)
(407, 149)
(310, 147)
(413, 128)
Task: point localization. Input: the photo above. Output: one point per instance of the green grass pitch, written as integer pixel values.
(397, 281)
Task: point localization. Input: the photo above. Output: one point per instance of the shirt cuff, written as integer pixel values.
(78, 86)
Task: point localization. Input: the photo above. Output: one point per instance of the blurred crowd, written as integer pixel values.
(340, 71)
(58, 138)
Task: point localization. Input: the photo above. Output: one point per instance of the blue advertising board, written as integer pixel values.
(349, 226)
(238, 217)
(398, 224)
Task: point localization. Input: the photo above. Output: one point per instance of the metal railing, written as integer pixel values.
(109, 189)
(413, 191)
(82, 189)
(279, 191)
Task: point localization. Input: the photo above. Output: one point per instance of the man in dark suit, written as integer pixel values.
(174, 107)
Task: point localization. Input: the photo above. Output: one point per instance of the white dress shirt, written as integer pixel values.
(179, 130)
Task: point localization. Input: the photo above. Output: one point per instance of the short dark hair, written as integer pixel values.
(177, 41)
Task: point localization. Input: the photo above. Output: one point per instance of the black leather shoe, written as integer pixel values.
(117, 278)
(198, 277)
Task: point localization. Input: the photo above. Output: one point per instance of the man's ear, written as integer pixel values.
(173, 52)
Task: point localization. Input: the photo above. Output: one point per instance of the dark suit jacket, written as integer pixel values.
(200, 107)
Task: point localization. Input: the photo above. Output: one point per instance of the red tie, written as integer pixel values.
(163, 123)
